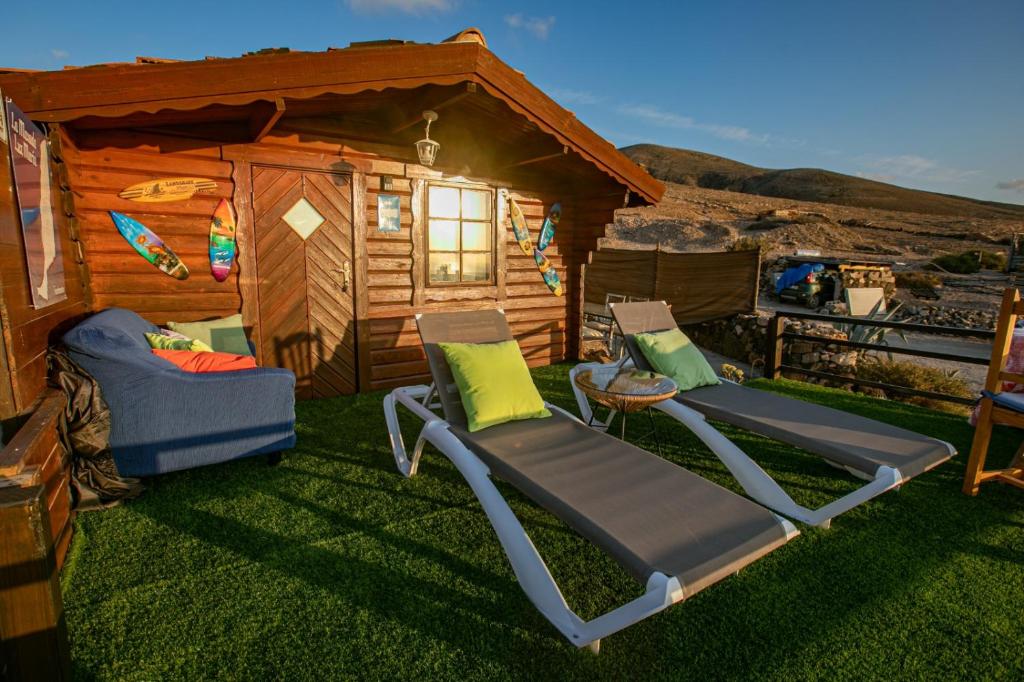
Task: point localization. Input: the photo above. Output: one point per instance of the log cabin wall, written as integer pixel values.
(100, 164)
(390, 270)
(27, 332)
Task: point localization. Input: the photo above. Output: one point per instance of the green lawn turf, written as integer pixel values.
(332, 565)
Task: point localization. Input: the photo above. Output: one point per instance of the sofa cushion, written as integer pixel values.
(112, 333)
(167, 343)
(208, 361)
(224, 335)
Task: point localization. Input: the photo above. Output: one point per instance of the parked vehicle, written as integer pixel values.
(813, 291)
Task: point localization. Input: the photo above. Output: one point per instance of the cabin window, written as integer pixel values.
(460, 235)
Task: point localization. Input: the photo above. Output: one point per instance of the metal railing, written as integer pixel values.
(777, 336)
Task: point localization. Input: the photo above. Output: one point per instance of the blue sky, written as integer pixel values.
(922, 94)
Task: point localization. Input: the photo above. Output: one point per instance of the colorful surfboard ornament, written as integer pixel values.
(548, 272)
(168, 189)
(222, 241)
(149, 246)
(547, 230)
(519, 227)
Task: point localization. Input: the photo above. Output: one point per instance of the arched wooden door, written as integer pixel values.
(303, 230)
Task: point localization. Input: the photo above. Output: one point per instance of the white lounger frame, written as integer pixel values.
(751, 477)
(530, 570)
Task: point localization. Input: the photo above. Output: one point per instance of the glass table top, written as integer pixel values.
(626, 382)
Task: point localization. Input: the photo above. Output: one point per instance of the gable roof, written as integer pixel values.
(152, 86)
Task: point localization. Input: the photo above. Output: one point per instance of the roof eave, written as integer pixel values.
(115, 91)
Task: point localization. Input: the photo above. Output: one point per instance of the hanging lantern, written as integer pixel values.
(426, 148)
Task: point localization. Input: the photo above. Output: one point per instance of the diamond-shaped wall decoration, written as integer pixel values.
(303, 218)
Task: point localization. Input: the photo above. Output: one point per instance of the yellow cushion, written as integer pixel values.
(494, 383)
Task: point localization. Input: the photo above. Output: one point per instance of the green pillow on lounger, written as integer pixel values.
(494, 383)
(673, 354)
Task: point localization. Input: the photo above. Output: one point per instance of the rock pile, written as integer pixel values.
(946, 316)
(881, 277)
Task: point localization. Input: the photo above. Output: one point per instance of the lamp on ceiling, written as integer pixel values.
(427, 148)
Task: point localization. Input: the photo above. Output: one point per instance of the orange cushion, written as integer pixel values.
(192, 361)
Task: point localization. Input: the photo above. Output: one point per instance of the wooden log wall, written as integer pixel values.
(101, 163)
(27, 331)
(390, 273)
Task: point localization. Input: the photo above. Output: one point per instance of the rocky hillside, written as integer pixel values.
(690, 218)
(688, 167)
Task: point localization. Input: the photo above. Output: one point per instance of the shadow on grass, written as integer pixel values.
(884, 593)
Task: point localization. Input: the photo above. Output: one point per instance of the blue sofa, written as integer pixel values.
(165, 419)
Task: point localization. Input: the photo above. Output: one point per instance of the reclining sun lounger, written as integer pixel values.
(670, 529)
(887, 456)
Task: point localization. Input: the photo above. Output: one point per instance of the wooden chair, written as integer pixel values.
(998, 407)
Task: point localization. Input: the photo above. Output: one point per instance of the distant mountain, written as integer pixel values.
(688, 167)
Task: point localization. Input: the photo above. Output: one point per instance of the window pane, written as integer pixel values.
(444, 267)
(476, 205)
(444, 235)
(476, 236)
(444, 202)
(476, 267)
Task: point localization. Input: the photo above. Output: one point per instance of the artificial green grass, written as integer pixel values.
(331, 566)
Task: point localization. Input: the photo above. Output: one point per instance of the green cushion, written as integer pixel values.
(167, 343)
(494, 383)
(224, 335)
(673, 354)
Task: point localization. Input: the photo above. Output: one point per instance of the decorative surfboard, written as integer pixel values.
(168, 189)
(519, 227)
(548, 273)
(222, 241)
(149, 246)
(547, 230)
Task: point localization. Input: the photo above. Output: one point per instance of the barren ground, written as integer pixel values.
(696, 219)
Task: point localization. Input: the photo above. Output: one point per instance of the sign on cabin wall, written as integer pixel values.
(30, 160)
(389, 214)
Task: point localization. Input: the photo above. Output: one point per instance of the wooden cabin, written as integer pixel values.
(303, 144)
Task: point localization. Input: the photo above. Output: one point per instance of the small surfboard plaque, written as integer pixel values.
(222, 241)
(519, 227)
(149, 246)
(168, 189)
(548, 272)
(547, 230)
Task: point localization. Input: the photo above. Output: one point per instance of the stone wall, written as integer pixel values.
(819, 356)
(745, 338)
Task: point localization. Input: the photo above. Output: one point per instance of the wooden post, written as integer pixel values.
(775, 330)
(35, 641)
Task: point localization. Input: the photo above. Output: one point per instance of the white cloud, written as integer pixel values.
(407, 6)
(668, 119)
(540, 27)
(912, 167)
(59, 54)
(1015, 185)
(583, 97)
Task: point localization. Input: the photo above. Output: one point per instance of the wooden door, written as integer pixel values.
(303, 229)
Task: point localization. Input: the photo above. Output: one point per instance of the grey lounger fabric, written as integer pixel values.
(647, 513)
(854, 441)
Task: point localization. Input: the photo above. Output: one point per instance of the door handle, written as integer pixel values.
(346, 275)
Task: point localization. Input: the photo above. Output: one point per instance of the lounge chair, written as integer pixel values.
(672, 530)
(884, 455)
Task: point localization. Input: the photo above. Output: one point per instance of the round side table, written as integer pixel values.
(626, 390)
